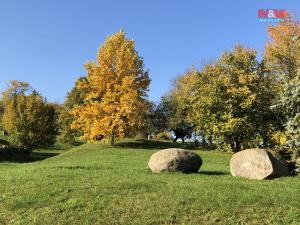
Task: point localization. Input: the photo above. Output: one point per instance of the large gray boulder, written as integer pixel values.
(175, 159)
(257, 164)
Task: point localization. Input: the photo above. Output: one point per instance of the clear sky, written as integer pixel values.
(47, 42)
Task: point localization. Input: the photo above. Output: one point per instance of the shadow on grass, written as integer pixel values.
(78, 143)
(26, 158)
(214, 173)
(10, 155)
(151, 144)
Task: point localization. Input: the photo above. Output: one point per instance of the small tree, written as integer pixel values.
(30, 121)
(14, 88)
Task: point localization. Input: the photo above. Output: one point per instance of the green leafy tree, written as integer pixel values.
(76, 95)
(1, 114)
(164, 112)
(14, 88)
(282, 56)
(236, 100)
(171, 117)
(29, 120)
(231, 99)
(291, 103)
(74, 98)
(151, 125)
(66, 133)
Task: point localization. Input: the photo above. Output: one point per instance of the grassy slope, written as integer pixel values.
(93, 184)
(3, 137)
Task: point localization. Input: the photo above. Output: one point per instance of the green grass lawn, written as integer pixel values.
(94, 184)
(2, 136)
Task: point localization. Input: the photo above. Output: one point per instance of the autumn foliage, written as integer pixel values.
(236, 102)
(115, 90)
(239, 101)
(282, 51)
(28, 119)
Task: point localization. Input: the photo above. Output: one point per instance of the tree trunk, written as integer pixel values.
(232, 146)
(265, 141)
(238, 146)
(210, 140)
(112, 140)
(196, 143)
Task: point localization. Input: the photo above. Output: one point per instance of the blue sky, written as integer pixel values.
(47, 42)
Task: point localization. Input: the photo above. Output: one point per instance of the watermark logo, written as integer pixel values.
(271, 15)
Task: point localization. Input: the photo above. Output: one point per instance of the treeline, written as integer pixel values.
(108, 104)
(228, 103)
(234, 103)
(239, 101)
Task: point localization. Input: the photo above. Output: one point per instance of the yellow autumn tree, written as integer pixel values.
(282, 52)
(115, 90)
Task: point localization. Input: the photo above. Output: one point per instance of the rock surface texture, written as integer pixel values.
(175, 159)
(257, 164)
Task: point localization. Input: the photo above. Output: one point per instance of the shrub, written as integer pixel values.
(30, 121)
(4, 145)
(296, 160)
(165, 136)
(66, 133)
(223, 147)
(140, 135)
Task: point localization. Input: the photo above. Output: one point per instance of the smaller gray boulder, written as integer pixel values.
(257, 164)
(175, 159)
